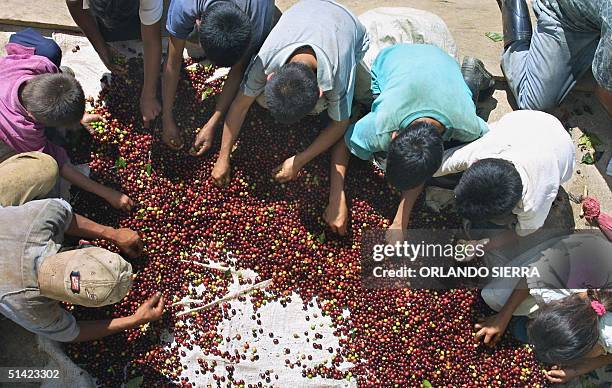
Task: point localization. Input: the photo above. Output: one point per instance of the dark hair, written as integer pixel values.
(113, 13)
(225, 33)
(487, 189)
(567, 330)
(54, 100)
(414, 155)
(292, 92)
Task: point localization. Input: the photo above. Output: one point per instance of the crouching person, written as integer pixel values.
(511, 176)
(35, 277)
(564, 310)
(36, 95)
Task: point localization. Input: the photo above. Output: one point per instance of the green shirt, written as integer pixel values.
(415, 81)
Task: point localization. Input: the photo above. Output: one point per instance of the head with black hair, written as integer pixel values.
(567, 330)
(225, 33)
(414, 155)
(54, 100)
(114, 13)
(292, 92)
(488, 189)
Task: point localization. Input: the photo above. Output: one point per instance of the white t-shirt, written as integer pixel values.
(150, 12)
(540, 149)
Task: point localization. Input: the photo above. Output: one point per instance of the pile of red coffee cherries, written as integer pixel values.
(393, 337)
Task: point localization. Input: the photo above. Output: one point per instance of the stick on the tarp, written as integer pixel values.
(230, 296)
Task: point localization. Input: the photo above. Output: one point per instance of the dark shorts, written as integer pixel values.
(45, 47)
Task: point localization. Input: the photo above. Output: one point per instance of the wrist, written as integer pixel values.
(299, 160)
(136, 320)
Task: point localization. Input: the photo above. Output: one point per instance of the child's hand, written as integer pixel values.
(287, 171)
(561, 376)
(492, 329)
(128, 242)
(171, 134)
(336, 216)
(151, 310)
(120, 201)
(150, 108)
(88, 119)
(112, 59)
(221, 173)
(203, 140)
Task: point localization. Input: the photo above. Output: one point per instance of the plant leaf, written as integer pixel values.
(120, 162)
(321, 238)
(136, 382)
(589, 140)
(588, 158)
(427, 384)
(495, 37)
(148, 169)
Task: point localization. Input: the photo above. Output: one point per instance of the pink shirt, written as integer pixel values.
(17, 129)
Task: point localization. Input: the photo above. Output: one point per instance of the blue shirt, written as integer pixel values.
(415, 81)
(183, 14)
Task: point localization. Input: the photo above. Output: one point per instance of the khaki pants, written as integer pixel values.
(26, 176)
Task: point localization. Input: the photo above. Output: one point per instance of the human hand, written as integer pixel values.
(491, 329)
(471, 249)
(171, 135)
(151, 310)
(119, 201)
(112, 59)
(90, 118)
(287, 171)
(203, 140)
(221, 173)
(336, 216)
(561, 376)
(128, 241)
(150, 108)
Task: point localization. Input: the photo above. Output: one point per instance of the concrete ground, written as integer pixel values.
(468, 20)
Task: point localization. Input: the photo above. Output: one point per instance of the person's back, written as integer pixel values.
(336, 36)
(19, 66)
(28, 233)
(415, 81)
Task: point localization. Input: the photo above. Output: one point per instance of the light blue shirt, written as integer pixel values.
(415, 81)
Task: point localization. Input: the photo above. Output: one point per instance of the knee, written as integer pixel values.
(543, 102)
(44, 169)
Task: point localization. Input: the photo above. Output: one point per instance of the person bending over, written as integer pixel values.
(421, 101)
(34, 95)
(561, 311)
(230, 33)
(36, 277)
(104, 21)
(307, 64)
(511, 176)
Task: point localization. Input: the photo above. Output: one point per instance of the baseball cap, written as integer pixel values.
(90, 277)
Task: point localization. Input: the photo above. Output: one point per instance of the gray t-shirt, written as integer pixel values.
(28, 234)
(183, 14)
(338, 39)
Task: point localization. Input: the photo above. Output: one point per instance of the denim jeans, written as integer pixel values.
(541, 73)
